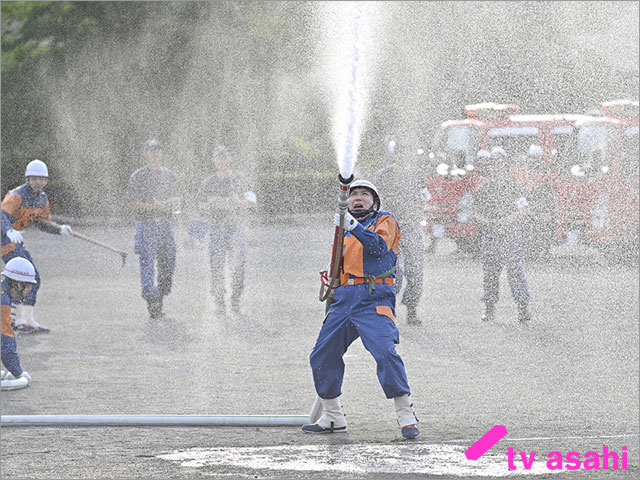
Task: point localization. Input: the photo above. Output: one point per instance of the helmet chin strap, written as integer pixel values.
(361, 212)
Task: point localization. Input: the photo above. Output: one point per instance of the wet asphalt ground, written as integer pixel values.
(567, 382)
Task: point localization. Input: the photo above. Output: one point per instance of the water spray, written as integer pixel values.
(347, 150)
(352, 113)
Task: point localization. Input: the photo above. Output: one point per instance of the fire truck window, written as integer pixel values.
(596, 144)
(629, 162)
(457, 144)
(516, 142)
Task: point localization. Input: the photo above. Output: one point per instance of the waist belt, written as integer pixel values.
(382, 279)
(361, 280)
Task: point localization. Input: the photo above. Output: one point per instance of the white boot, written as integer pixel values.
(27, 315)
(404, 410)
(332, 413)
(406, 416)
(20, 322)
(16, 314)
(332, 420)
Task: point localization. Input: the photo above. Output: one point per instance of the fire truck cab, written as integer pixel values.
(598, 185)
(535, 146)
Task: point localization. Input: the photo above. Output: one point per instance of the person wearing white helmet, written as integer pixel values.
(535, 151)
(22, 206)
(500, 207)
(406, 195)
(363, 306)
(154, 198)
(18, 278)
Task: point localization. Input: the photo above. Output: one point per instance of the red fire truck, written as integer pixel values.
(535, 144)
(597, 186)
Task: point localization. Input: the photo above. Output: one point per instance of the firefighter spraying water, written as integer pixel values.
(363, 305)
(359, 286)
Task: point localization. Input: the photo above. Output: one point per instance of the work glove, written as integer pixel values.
(250, 197)
(14, 235)
(65, 230)
(349, 221)
(26, 375)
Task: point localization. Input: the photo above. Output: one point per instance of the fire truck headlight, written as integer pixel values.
(577, 171)
(442, 169)
(600, 212)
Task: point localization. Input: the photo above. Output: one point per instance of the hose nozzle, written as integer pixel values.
(343, 194)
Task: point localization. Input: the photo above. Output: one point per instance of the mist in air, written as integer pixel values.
(274, 81)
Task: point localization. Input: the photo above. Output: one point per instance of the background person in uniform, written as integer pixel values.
(18, 279)
(20, 207)
(154, 197)
(499, 207)
(363, 306)
(405, 195)
(224, 200)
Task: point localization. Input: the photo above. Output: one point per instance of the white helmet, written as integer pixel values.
(535, 151)
(498, 152)
(370, 186)
(20, 269)
(483, 154)
(36, 168)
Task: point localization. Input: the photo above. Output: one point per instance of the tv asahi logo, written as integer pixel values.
(592, 460)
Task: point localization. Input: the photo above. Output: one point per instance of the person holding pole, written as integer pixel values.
(20, 207)
(18, 279)
(363, 306)
(224, 199)
(154, 199)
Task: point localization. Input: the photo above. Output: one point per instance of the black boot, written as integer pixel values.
(489, 314)
(154, 306)
(159, 305)
(220, 305)
(412, 316)
(524, 316)
(235, 305)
